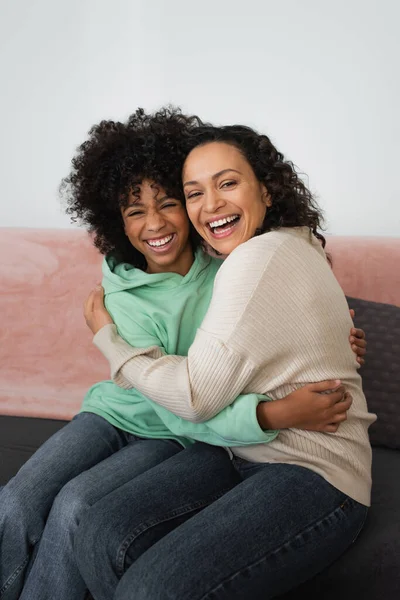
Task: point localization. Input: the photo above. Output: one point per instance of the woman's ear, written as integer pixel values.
(266, 196)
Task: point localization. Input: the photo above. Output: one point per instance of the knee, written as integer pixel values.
(95, 545)
(85, 537)
(69, 505)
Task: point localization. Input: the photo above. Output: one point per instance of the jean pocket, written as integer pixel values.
(355, 512)
(362, 512)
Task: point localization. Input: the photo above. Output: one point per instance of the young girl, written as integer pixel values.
(158, 291)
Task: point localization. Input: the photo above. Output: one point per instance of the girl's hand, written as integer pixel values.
(358, 342)
(96, 314)
(318, 406)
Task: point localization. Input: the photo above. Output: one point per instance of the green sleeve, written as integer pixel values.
(236, 425)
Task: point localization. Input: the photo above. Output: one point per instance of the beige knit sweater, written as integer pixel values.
(278, 319)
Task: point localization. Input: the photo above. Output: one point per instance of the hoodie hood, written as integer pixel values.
(122, 276)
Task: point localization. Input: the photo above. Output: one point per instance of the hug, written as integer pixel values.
(228, 455)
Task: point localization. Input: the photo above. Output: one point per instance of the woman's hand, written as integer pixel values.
(318, 406)
(95, 312)
(357, 341)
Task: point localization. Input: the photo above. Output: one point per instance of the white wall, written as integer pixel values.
(321, 78)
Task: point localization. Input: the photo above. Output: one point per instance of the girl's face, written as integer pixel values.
(224, 199)
(158, 227)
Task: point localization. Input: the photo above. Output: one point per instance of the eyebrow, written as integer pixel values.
(214, 177)
(138, 202)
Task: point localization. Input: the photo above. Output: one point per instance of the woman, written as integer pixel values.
(303, 498)
(120, 434)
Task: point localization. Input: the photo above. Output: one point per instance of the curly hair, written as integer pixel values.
(293, 205)
(109, 165)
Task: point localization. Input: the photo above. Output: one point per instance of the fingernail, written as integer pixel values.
(352, 339)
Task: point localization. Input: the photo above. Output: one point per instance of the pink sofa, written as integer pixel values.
(47, 360)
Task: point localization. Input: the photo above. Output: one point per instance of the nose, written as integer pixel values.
(212, 201)
(155, 221)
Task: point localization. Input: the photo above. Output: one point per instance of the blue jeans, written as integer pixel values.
(277, 526)
(41, 506)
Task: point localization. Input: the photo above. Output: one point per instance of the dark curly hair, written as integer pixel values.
(112, 161)
(293, 204)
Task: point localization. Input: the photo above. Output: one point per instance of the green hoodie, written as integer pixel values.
(165, 310)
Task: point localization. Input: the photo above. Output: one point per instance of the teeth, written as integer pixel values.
(221, 222)
(161, 242)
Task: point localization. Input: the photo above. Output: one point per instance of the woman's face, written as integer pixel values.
(158, 227)
(225, 201)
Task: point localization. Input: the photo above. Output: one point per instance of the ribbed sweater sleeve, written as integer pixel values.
(196, 388)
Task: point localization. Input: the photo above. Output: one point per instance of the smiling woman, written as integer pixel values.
(234, 173)
(225, 205)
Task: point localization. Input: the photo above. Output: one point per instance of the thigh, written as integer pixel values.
(137, 457)
(177, 487)
(82, 443)
(277, 528)
(124, 524)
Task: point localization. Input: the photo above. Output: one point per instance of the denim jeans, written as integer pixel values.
(41, 506)
(277, 526)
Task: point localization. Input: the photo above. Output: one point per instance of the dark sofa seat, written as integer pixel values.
(20, 437)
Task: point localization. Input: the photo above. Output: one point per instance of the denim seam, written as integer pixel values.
(13, 577)
(121, 554)
(338, 510)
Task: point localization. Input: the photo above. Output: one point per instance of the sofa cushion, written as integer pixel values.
(381, 372)
(20, 437)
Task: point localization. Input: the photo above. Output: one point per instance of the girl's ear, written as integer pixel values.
(123, 224)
